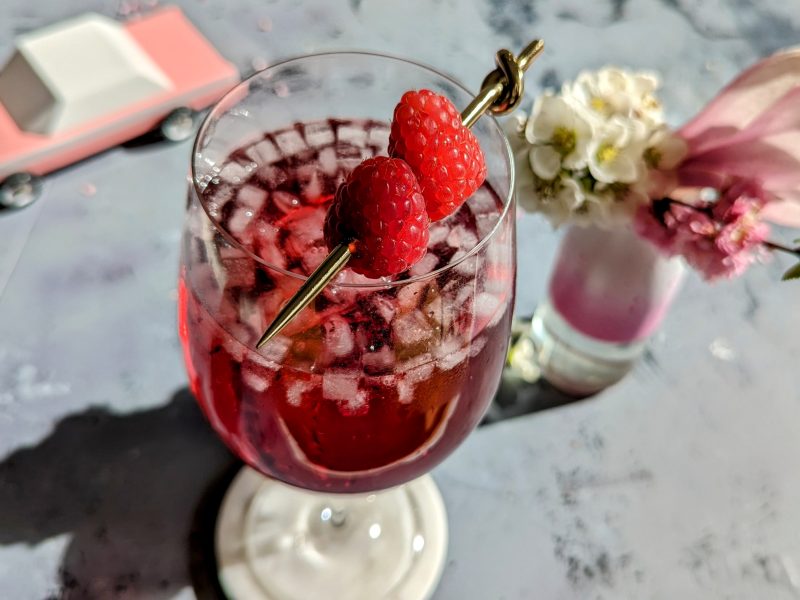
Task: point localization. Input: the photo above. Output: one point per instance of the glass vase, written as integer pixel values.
(609, 291)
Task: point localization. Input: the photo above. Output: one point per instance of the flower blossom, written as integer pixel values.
(719, 239)
(560, 134)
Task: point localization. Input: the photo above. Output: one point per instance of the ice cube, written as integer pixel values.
(462, 238)
(202, 277)
(378, 136)
(239, 272)
(273, 352)
(270, 303)
(411, 329)
(341, 386)
(482, 203)
(425, 265)
(434, 310)
(319, 134)
(233, 346)
(405, 391)
(217, 196)
(338, 338)
(305, 230)
(467, 267)
(423, 358)
(419, 368)
(271, 176)
(477, 344)
(328, 161)
(312, 188)
(340, 294)
(252, 197)
(499, 279)
(313, 258)
(250, 312)
(485, 223)
(239, 222)
(227, 251)
(295, 390)
(348, 164)
(290, 142)
(382, 359)
(437, 234)
(450, 354)
(264, 152)
(498, 315)
(256, 377)
(411, 294)
(285, 201)
(350, 277)
(412, 372)
(234, 172)
(354, 406)
(384, 307)
(464, 297)
(354, 136)
(489, 310)
(266, 243)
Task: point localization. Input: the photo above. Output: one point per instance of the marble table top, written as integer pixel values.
(680, 482)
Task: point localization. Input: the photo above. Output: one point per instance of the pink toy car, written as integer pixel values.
(79, 87)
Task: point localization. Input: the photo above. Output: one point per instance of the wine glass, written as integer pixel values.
(341, 416)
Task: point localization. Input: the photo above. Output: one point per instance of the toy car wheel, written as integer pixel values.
(178, 125)
(19, 190)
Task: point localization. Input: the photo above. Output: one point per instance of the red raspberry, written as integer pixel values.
(381, 209)
(446, 158)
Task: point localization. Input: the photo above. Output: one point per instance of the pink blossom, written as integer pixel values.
(751, 131)
(719, 239)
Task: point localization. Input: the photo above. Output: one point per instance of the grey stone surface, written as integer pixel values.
(678, 483)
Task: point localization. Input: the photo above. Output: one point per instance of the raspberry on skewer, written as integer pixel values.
(501, 93)
(381, 211)
(446, 157)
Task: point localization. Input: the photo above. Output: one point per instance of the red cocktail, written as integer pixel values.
(372, 385)
(376, 381)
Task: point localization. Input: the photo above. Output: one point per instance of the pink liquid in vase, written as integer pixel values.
(609, 291)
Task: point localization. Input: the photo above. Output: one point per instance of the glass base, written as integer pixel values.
(277, 542)
(571, 361)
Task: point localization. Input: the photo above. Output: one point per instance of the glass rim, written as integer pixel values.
(229, 238)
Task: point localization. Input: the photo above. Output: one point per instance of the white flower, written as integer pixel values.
(595, 210)
(569, 194)
(514, 126)
(564, 128)
(558, 200)
(545, 161)
(593, 154)
(665, 150)
(615, 152)
(613, 91)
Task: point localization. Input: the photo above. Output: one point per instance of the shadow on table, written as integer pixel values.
(516, 398)
(126, 488)
(134, 491)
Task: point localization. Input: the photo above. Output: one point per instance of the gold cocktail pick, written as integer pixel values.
(501, 92)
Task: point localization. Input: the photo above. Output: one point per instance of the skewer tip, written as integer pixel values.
(322, 275)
